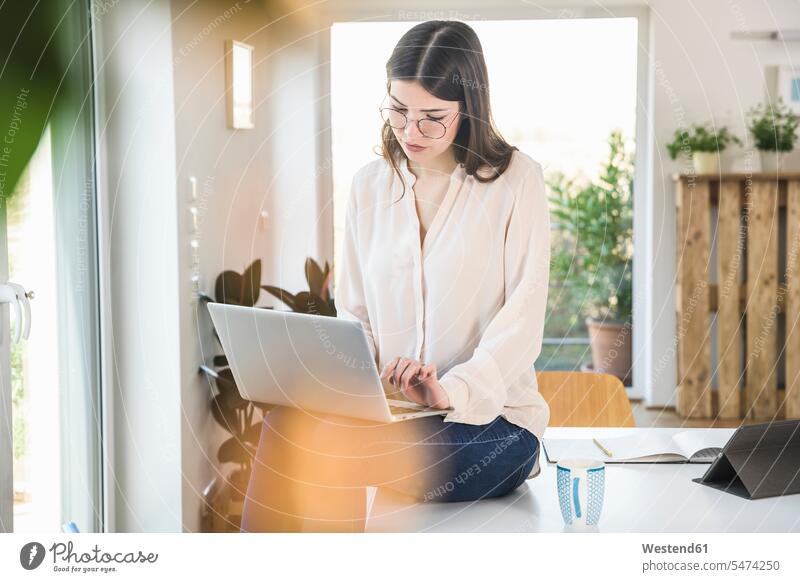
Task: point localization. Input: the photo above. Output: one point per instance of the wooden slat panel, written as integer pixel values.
(730, 258)
(694, 354)
(713, 292)
(762, 283)
(737, 176)
(792, 301)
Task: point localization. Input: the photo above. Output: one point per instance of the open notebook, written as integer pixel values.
(649, 447)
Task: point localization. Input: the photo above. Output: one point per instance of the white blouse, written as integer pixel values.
(471, 299)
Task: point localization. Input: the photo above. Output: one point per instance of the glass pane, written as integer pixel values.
(35, 410)
(50, 232)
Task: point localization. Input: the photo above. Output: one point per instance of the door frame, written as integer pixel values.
(6, 430)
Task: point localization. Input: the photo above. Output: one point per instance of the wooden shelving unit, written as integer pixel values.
(749, 237)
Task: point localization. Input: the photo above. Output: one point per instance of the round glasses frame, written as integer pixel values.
(430, 128)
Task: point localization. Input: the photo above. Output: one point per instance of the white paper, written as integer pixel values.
(641, 447)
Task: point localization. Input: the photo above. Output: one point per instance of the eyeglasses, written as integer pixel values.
(430, 128)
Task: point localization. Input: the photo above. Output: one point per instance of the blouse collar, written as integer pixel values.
(458, 173)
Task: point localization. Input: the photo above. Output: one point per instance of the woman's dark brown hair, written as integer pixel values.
(446, 58)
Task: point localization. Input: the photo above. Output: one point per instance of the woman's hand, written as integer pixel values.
(417, 381)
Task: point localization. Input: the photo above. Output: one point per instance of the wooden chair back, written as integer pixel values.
(585, 399)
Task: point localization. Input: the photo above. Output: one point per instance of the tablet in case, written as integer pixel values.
(759, 460)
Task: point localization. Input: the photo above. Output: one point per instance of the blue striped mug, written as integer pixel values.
(581, 487)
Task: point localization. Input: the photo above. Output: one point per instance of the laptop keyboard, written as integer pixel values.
(403, 409)
(401, 405)
(412, 407)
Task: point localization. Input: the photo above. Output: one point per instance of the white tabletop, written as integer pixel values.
(638, 498)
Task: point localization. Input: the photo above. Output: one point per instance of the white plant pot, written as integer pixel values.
(705, 162)
(771, 161)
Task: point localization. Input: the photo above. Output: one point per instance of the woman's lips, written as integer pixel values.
(414, 148)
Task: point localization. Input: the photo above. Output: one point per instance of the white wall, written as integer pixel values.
(161, 109)
(139, 269)
(239, 173)
(701, 75)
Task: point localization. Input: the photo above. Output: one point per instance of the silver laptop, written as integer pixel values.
(308, 361)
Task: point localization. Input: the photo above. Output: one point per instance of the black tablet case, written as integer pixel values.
(759, 460)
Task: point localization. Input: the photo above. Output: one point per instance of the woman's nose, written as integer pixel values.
(411, 131)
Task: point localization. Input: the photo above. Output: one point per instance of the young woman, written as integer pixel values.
(446, 266)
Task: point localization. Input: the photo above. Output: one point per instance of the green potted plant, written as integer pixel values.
(774, 129)
(595, 220)
(224, 495)
(702, 144)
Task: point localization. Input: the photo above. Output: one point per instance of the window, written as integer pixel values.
(48, 233)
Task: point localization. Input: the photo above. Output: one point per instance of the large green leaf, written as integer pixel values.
(306, 302)
(228, 288)
(264, 408)
(234, 450)
(251, 284)
(314, 276)
(239, 289)
(252, 434)
(227, 387)
(37, 45)
(225, 416)
(284, 296)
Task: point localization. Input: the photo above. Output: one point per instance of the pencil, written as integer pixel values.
(602, 448)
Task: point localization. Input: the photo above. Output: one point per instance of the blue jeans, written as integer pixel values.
(313, 469)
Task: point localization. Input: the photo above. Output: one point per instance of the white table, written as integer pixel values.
(639, 498)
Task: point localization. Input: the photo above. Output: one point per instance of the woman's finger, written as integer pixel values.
(399, 369)
(427, 371)
(410, 371)
(413, 394)
(386, 369)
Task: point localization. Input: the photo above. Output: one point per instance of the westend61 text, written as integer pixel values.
(671, 549)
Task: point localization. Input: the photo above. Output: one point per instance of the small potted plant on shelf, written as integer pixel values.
(595, 220)
(702, 144)
(224, 496)
(774, 129)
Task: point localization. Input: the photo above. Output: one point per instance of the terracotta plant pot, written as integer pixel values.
(611, 348)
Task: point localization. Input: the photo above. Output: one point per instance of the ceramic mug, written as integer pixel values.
(581, 487)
